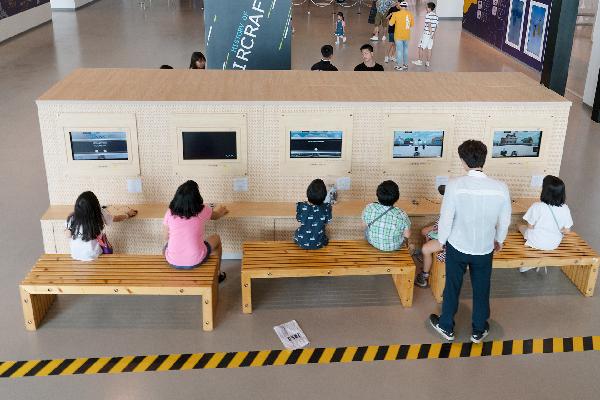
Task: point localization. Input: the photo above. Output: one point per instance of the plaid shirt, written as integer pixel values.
(387, 233)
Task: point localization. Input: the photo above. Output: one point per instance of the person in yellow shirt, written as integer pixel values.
(403, 22)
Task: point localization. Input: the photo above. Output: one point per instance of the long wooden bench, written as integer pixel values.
(116, 274)
(576, 258)
(268, 259)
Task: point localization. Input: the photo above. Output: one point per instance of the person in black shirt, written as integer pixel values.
(391, 54)
(325, 63)
(368, 63)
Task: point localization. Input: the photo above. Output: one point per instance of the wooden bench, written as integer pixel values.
(270, 259)
(116, 274)
(575, 257)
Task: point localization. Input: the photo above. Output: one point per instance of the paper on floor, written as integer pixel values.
(291, 335)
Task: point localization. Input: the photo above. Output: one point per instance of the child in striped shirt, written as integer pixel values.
(426, 44)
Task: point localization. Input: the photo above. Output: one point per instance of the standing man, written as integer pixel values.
(382, 8)
(473, 224)
(403, 21)
(325, 63)
(368, 63)
(426, 43)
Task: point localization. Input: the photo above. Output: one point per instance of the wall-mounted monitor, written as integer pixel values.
(321, 144)
(518, 143)
(418, 144)
(316, 144)
(209, 144)
(417, 141)
(97, 143)
(99, 146)
(514, 143)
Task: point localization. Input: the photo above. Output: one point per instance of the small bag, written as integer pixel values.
(372, 13)
(555, 221)
(104, 244)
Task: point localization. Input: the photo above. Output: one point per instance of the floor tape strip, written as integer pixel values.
(319, 355)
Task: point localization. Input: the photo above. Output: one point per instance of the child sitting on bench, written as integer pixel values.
(184, 227)
(430, 247)
(313, 215)
(547, 220)
(387, 226)
(85, 227)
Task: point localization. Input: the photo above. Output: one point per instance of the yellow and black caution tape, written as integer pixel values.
(319, 355)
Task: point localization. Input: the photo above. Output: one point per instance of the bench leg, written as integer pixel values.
(246, 293)
(583, 277)
(437, 279)
(208, 310)
(405, 286)
(35, 307)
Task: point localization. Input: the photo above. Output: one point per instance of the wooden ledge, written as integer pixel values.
(351, 208)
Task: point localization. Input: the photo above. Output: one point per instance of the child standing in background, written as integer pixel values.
(549, 219)
(313, 216)
(426, 43)
(340, 28)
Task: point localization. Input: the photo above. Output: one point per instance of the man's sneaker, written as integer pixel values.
(477, 337)
(386, 59)
(398, 68)
(422, 279)
(434, 320)
(405, 67)
(427, 64)
(383, 38)
(418, 62)
(375, 38)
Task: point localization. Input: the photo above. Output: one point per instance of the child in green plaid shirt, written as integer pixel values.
(387, 226)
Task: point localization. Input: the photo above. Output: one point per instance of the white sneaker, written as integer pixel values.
(375, 38)
(525, 269)
(344, 39)
(383, 39)
(418, 62)
(386, 59)
(427, 64)
(404, 67)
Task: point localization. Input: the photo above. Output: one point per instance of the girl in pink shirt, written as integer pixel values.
(184, 227)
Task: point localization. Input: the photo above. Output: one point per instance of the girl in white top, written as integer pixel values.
(549, 219)
(86, 223)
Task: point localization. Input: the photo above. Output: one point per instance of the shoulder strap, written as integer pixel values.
(555, 220)
(380, 216)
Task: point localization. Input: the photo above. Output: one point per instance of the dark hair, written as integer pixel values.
(165, 66)
(341, 14)
(388, 193)
(431, 5)
(442, 189)
(196, 56)
(187, 202)
(473, 153)
(86, 221)
(316, 192)
(366, 47)
(553, 191)
(327, 51)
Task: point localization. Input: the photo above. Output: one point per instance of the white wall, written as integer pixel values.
(26, 20)
(68, 4)
(449, 8)
(594, 65)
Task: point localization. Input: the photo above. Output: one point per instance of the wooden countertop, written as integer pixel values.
(351, 208)
(310, 86)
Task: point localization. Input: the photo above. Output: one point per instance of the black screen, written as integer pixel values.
(209, 146)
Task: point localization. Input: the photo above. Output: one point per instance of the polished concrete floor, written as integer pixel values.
(344, 311)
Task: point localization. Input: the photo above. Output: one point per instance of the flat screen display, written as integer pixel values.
(418, 144)
(316, 144)
(96, 146)
(209, 145)
(516, 144)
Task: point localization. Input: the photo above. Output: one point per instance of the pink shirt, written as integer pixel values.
(186, 246)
